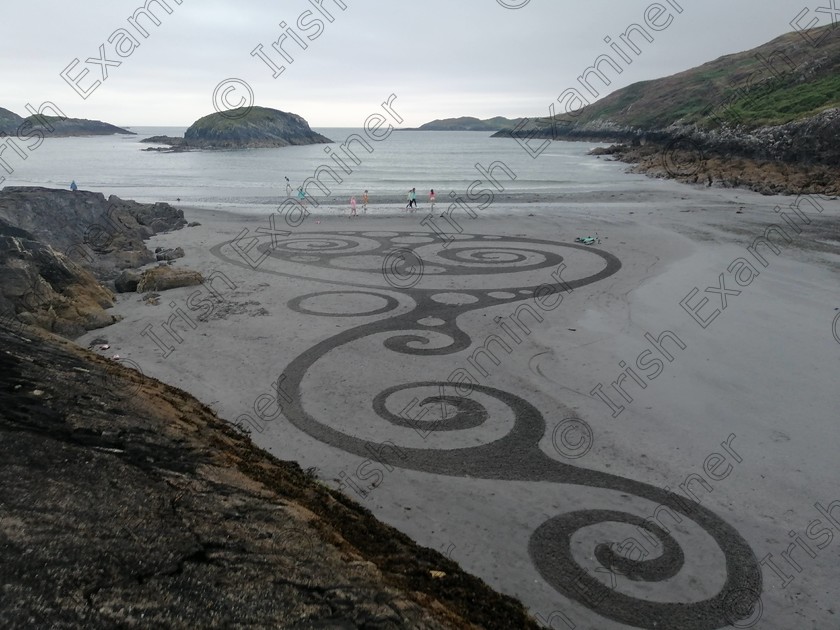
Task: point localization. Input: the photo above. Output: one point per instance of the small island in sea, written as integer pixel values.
(57, 126)
(243, 128)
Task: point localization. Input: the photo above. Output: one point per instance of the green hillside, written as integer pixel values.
(469, 123)
(785, 80)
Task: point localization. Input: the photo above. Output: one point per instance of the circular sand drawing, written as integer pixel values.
(475, 272)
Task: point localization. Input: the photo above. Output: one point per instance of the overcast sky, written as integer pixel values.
(441, 58)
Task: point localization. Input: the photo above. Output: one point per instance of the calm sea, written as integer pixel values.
(253, 180)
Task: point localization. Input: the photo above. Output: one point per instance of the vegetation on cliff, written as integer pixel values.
(725, 122)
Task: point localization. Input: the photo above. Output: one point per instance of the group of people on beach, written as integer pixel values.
(411, 206)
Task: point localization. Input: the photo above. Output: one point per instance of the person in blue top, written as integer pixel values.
(73, 186)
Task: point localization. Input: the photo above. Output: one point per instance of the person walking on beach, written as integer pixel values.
(301, 193)
(412, 198)
(353, 207)
(432, 199)
(288, 188)
(365, 202)
(73, 186)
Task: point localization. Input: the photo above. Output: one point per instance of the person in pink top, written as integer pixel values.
(353, 207)
(432, 198)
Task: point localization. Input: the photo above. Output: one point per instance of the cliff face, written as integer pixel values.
(252, 128)
(127, 503)
(57, 246)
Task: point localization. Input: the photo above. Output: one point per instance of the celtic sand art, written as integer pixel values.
(410, 290)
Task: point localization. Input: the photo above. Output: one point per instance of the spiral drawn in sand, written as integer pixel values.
(478, 431)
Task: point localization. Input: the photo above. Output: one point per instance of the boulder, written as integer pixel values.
(163, 278)
(127, 281)
(169, 254)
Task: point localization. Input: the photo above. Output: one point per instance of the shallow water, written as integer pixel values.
(252, 180)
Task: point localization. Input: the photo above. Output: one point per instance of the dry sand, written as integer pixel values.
(760, 378)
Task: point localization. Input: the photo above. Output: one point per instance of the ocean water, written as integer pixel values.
(250, 181)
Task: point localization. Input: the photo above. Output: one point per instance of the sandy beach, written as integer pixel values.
(602, 382)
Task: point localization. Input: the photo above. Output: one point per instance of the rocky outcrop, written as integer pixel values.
(103, 235)
(42, 287)
(169, 254)
(57, 246)
(125, 503)
(173, 144)
(246, 128)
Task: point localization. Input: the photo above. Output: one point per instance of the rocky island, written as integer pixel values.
(244, 128)
(57, 126)
(766, 119)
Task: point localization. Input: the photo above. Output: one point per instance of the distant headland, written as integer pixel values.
(468, 123)
(56, 126)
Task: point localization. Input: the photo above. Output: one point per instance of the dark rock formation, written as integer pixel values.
(41, 287)
(126, 503)
(169, 254)
(174, 144)
(127, 281)
(105, 236)
(170, 140)
(256, 127)
(56, 246)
